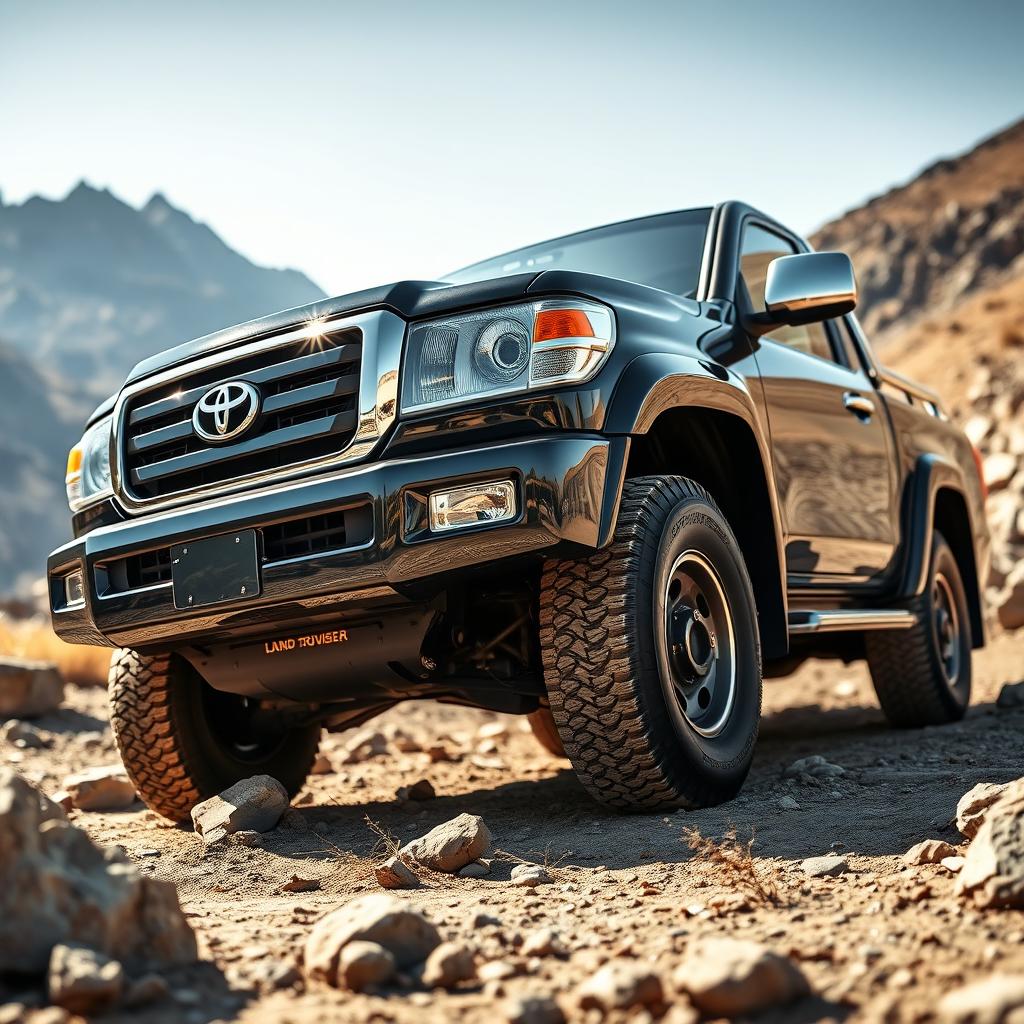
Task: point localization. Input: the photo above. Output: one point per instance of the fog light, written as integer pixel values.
(470, 506)
(74, 589)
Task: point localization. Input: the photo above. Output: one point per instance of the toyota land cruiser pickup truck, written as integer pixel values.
(608, 481)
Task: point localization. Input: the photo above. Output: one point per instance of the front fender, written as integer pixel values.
(656, 383)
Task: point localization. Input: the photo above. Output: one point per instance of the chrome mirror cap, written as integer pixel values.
(810, 286)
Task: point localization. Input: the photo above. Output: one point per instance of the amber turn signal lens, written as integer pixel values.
(74, 464)
(551, 324)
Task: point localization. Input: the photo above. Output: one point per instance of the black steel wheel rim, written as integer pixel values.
(698, 644)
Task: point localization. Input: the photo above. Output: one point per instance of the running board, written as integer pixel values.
(839, 620)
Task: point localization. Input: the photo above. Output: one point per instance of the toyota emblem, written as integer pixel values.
(226, 411)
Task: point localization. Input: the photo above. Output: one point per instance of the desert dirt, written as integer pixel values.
(880, 941)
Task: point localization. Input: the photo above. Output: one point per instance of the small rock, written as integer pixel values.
(363, 964)
(364, 745)
(823, 867)
(298, 884)
(253, 805)
(150, 988)
(732, 977)
(322, 765)
(376, 917)
(440, 754)
(931, 851)
(533, 1010)
(23, 735)
(449, 964)
(1010, 608)
(787, 803)
(101, 789)
(29, 689)
(1011, 696)
(989, 1001)
(83, 981)
(544, 942)
(395, 874)
(620, 985)
(530, 875)
(999, 469)
(815, 766)
(481, 920)
(497, 970)
(491, 730)
(970, 811)
(952, 864)
(451, 845)
(422, 790)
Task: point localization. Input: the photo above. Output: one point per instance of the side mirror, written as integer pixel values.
(806, 288)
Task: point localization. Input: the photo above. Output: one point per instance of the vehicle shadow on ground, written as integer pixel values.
(68, 720)
(899, 787)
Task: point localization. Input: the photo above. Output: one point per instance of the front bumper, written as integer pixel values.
(567, 489)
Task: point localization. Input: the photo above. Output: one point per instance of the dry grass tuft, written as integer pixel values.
(734, 864)
(33, 638)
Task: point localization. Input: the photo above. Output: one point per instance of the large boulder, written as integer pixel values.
(451, 845)
(61, 888)
(377, 917)
(29, 688)
(974, 805)
(252, 805)
(993, 869)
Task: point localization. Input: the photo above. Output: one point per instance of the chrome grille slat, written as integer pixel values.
(325, 425)
(335, 356)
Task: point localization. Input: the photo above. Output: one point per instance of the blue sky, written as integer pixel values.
(371, 142)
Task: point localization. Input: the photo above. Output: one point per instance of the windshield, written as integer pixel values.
(662, 252)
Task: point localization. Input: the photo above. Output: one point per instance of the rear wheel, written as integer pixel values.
(182, 741)
(652, 655)
(922, 675)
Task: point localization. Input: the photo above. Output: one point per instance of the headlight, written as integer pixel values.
(501, 351)
(88, 475)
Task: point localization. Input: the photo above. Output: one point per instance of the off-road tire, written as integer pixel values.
(608, 698)
(169, 750)
(546, 732)
(906, 665)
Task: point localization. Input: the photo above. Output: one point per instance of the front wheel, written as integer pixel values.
(182, 741)
(922, 675)
(652, 654)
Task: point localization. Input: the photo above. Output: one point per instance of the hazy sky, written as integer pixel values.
(366, 142)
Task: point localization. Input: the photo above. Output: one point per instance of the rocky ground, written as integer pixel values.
(629, 903)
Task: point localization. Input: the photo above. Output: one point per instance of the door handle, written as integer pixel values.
(858, 404)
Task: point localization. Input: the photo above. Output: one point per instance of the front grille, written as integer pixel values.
(309, 393)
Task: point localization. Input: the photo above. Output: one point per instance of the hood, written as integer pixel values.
(409, 299)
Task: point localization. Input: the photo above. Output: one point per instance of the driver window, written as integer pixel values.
(759, 248)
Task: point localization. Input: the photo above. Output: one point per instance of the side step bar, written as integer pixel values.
(840, 619)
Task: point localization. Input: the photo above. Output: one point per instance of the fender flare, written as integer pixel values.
(655, 383)
(931, 474)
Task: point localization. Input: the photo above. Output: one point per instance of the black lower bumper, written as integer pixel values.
(567, 489)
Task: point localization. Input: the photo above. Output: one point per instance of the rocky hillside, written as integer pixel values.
(955, 229)
(39, 419)
(974, 356)
(90, 285)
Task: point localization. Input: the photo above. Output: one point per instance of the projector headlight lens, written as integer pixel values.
(88, 472)
(503, 351)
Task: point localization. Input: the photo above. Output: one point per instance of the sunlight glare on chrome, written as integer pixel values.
(314, 330)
